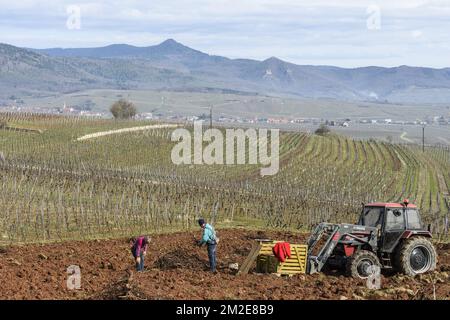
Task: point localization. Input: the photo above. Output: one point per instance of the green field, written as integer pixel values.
(56, 188)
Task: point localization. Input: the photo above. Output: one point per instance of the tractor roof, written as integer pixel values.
(389, 205)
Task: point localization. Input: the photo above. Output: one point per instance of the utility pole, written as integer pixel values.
(210, 116)
(423, 138)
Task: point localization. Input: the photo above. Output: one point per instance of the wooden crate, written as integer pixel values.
(268, 263)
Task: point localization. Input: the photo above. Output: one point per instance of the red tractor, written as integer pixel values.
(388, 236)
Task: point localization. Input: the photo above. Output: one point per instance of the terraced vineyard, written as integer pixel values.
(54, 187)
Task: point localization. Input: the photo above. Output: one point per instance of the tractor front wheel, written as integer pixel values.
(415, 256)
(361, 264)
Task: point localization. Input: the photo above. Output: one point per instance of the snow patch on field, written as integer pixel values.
(125, 130)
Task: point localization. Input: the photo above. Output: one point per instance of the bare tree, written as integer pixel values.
(123, 109)
(322, 130)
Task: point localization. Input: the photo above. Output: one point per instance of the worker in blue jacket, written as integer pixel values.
(209, 238)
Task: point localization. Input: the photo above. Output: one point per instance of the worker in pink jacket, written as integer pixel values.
(139, 250)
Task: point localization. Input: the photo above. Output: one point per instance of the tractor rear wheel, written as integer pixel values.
(415, 256)
(361, 263)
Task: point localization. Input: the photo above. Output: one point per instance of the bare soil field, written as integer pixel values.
(176, 269)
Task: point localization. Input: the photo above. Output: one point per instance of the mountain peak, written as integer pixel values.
(274, 59)
(170, 46)
(171, 43)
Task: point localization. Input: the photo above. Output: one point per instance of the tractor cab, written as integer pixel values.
(394, 221)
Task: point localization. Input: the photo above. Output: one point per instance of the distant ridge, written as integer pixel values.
(169, 46)
(172, 65)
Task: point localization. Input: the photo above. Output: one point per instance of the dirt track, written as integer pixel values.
(175, 269)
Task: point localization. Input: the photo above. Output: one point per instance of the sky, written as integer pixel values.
(345, 33)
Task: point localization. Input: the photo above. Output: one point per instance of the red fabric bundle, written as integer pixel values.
(282, 250)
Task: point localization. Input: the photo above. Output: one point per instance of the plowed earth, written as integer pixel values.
(176, 269)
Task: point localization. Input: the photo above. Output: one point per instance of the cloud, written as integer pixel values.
(416, 34)
(319, 32)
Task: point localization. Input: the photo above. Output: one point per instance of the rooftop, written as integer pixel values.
(390, 205)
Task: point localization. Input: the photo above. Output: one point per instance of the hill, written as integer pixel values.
(174, 66)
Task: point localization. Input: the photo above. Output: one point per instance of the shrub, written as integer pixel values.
(123, 109)
(322, 130)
